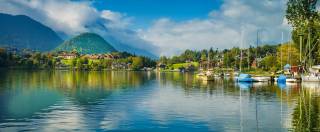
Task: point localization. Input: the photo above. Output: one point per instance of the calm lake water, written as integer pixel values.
(150, 101)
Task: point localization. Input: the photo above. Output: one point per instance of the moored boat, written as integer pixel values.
(283, 79)
(244, 78)
(310, 78)
(206, 76)
(313, 76)
(261, 79)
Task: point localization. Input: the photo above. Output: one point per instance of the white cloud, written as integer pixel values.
(74, 17)
(63, 16)
(222, 27)
(117, 19)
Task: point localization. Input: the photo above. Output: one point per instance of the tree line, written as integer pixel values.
(27, 59)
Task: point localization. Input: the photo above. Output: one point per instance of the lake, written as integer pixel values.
(151, 101)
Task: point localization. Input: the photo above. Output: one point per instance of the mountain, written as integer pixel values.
(87, 43)
(21, 31)
(129, 41)
(134, 50)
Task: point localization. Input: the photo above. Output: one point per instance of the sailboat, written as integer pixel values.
(207, 75)
(314, 71)
(259, 78)
(243, 77)
(313, 76)
(287, 76)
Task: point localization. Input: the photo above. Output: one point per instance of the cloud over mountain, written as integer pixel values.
(70, 18)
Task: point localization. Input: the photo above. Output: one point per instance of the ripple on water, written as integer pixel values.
(102, 101)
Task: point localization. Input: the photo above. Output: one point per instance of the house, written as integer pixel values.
(108, 57)
(93, 57)
(120, 65)
(99, 56)
(68, 56)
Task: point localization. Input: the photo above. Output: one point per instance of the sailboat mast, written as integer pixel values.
(309, 47)
(208, 62)
(248, 58)
(288, 50)
(257, 44)
(241, 41)
(281, 49)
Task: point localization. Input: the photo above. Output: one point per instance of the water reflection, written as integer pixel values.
(116, 100)
(307, 110)
(26, 95)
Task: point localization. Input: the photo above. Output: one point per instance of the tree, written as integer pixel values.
(73, 62)
(211, 54)
(3, 57)
(163, 59)
(304, 17)
(299, 12)
(204, 55)
(267, 62)
(289, 53)
(79, 64)
(137, 63)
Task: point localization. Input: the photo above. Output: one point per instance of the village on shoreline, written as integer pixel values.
(262, 60)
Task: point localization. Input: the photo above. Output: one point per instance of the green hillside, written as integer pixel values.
(86, 43)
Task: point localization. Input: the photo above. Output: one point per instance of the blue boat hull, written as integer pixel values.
(245, 80)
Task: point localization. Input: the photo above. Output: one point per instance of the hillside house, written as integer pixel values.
(68, 56)
(120, 65)
(99, 56)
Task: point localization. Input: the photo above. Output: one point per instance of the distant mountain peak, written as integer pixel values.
(21, 31)
(87, 43)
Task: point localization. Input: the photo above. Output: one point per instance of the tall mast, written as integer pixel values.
(288, 50)
(300, 47)
(241, 41)
(257, 43)
(281, 49)
(249, 57)
(309, 46)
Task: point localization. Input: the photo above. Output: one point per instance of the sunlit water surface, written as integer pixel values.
(151, 101)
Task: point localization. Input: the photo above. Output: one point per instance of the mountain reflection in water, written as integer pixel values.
(133, 101)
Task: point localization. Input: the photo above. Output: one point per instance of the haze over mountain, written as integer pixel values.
(23, 32)
(87, 43)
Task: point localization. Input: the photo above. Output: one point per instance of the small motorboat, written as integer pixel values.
(244, 78)
(261, 79)
(207, 76)
(313, 75)
(310, 78)
(283, 79)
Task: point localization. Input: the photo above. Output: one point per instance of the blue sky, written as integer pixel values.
(164, 27)
(147, 11)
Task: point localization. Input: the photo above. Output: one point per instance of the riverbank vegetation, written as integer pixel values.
(253, 58)
(28, 59)
(302, 50)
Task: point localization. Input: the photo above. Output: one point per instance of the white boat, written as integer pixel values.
(290, 80)
(313, 76)
(261, 79)
(310, 78)
(207, 76)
